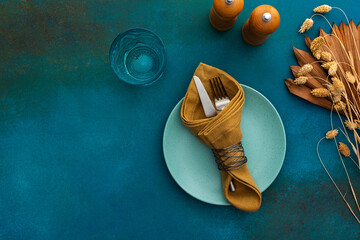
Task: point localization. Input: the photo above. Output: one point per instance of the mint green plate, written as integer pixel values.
(192, 164)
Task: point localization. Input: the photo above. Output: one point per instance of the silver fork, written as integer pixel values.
(221, 99)
(220, 96)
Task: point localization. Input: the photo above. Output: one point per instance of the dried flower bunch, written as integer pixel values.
(306, 25)
(307, 68)
(331, 134)
(300, 80)
(328, 76)
(322, 9)
(320, 92)
(344, 149)
(350, 125)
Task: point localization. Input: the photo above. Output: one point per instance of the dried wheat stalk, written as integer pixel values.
(328, 76)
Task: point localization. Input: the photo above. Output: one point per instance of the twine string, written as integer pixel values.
(229, 159)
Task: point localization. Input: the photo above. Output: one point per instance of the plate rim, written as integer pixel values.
(277, 171)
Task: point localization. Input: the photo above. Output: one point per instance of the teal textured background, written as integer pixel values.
(81, 152)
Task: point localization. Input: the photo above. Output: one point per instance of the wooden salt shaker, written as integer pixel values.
(263, 21)
(223, 13)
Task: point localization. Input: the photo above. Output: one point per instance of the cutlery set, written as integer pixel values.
(221, 99)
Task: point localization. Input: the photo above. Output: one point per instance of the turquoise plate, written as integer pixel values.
(192, 164)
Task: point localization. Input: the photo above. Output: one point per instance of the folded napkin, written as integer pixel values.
(220, 132)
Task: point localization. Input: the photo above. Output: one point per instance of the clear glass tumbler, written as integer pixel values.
(138, 56)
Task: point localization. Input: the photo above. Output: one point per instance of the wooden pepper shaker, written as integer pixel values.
(263, 21)
(223, 13)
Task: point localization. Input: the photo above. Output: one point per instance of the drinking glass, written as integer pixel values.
(138, 56)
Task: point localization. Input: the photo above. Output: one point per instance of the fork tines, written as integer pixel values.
(218, 88)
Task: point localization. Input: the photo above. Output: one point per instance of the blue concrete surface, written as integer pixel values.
(81, 152)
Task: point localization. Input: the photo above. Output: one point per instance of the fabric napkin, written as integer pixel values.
(222, 131)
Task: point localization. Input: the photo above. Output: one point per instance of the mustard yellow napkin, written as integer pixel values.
(220, 132)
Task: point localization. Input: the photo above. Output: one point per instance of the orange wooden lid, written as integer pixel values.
(258, 20)
(228, 10)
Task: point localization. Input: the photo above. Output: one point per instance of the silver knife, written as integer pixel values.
(208, 107)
